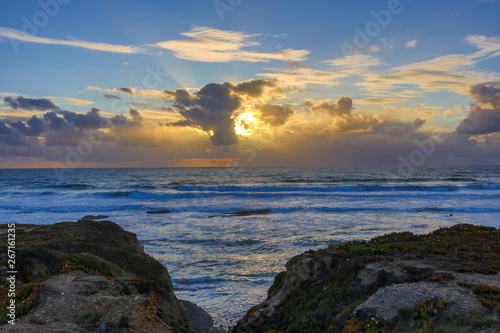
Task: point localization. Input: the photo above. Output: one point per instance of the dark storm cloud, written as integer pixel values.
(212, 107)
(136, 116)
(484, 114)
(342, 106)
(120, 121)
(181, 96)
(33, 127)
(53, 121)
(63, 128)
(128, 90)
(274, 114)
(58, 132)
(4, 130)
(91, 119)
(9, 136)
(255, 88)
(485, 92)
(41, 104)
(111, 96)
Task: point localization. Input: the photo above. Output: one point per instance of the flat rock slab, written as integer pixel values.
(245, 213)
(386, 301)
(65, 297)
(161, 211)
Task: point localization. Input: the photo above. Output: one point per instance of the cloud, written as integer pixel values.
(13, 34)
(484, 114)
(356, 64)
(149, 93)
(488, 46)
(342, 106)
(390, 97)
(69, 100)
(127, 90)
(11, 137)
(34, 127)
(90, 120)
(300, 77)
(448, 72)
(212, 108)
(258, 88)
(412, 43)
(136, 116)
(342, 120)
(273, 114)
(41, 104)
(425, 79)
(213, 45)
(381, 100)
(102, 90)
(68, 129)
(111, 96)
(353, 123)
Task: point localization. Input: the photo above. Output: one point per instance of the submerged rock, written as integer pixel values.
(94, 273)
(245, 213)
(161, 211)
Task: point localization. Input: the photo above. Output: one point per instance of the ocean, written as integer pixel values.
(225, 263)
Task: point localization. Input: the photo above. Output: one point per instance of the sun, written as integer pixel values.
(245, 123)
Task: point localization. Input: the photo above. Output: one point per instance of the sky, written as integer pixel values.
(230, 83)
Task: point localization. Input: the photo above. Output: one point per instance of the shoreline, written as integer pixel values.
(420, 270)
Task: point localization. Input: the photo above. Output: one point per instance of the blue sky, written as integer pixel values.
(358, 81)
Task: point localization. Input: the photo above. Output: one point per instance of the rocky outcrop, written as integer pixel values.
(160, 211)
(447, 280)
(96, 275)
(244, 213)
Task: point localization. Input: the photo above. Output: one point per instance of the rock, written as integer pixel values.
(387, 300)
(161, 211)
(199, 317)
(391, 279)
(94, 217)
(245, 213)
(103, 247)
